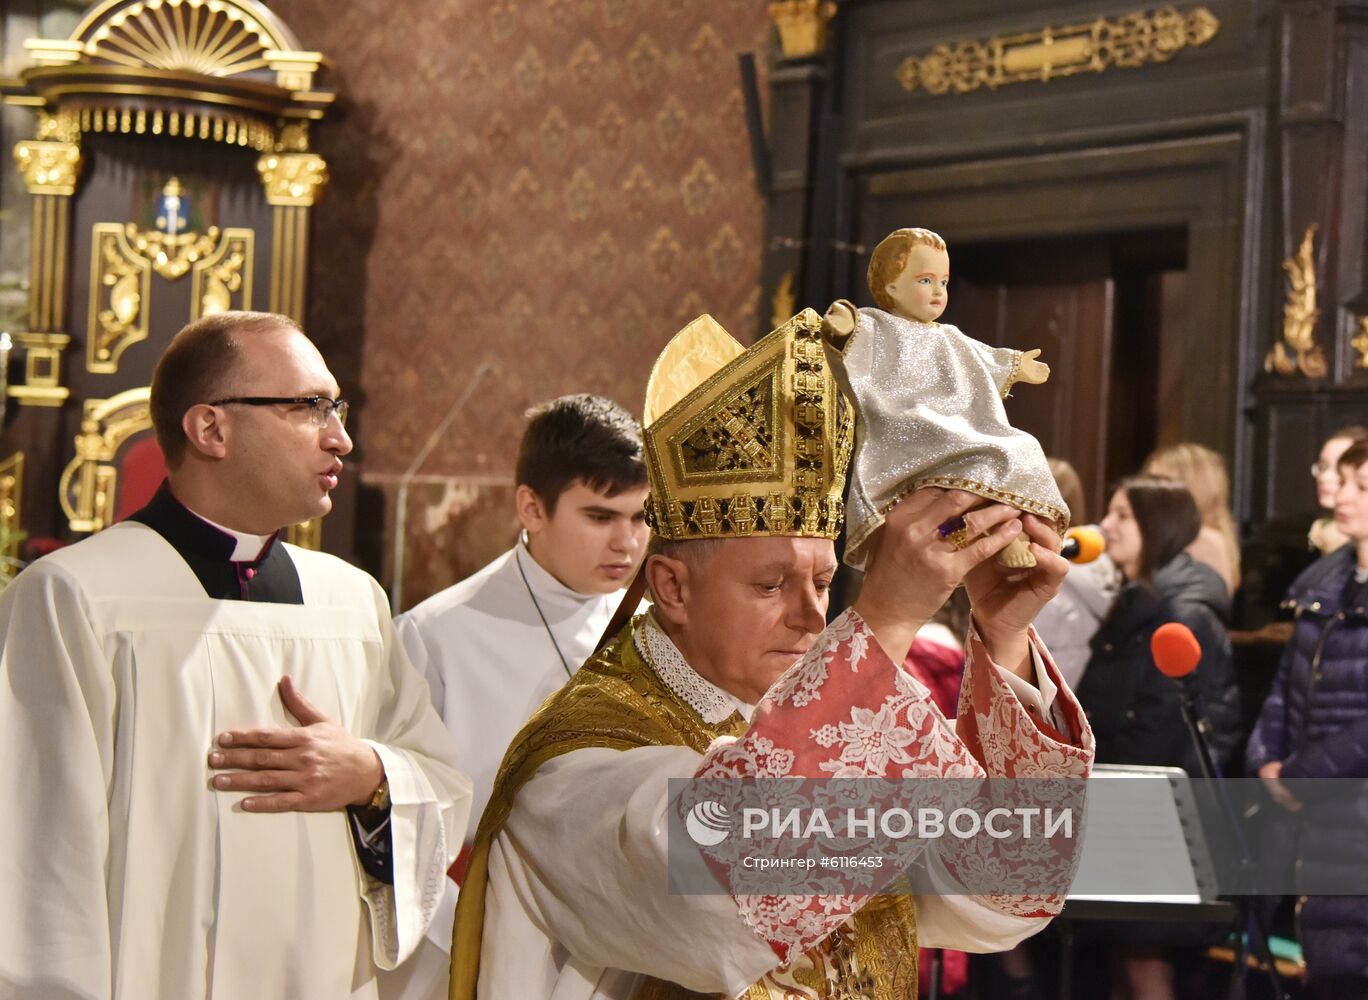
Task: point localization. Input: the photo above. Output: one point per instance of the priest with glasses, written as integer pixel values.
(223, 778)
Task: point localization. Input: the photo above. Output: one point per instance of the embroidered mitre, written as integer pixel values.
(744, 442)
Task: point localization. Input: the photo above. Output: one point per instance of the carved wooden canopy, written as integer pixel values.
(222, 70)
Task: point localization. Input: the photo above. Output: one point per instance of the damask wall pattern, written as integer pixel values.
(528, 198)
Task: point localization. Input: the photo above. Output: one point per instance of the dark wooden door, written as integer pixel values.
(1072, 325)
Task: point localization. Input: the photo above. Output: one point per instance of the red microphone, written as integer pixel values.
(1176, 652)
(1175, 649)
(1083, 544)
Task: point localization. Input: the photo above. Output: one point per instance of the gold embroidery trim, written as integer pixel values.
(1059, 518)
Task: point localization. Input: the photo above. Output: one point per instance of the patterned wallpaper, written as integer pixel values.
(528, 198)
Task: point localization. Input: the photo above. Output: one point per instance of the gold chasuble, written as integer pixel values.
(617, 701)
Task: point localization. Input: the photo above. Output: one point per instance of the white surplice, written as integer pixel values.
(576, 893)
(127, 876)
(489, 659)
(490, 662)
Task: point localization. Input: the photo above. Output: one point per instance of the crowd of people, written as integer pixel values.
(1172, 555)
(226, 777)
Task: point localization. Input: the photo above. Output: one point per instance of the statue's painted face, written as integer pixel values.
(922, 290)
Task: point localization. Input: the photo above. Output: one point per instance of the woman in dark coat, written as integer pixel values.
(1315, 725)
(1135, 710)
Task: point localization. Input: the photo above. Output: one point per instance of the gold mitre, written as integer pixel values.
(746, 442)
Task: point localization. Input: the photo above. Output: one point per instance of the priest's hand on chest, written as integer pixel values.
(316, 766)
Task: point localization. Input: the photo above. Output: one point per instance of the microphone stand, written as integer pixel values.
(1247, 913)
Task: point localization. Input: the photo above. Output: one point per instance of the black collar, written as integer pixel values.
(270, 578)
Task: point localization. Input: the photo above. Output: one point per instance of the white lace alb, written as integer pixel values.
(700, 694)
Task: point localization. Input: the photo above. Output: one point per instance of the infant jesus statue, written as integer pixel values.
(930, 401)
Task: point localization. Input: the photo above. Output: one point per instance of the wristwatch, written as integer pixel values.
(381, 798)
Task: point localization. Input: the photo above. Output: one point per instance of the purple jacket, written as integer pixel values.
(1316, 722)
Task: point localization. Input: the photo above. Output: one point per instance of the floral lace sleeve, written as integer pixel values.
(1010, 741)
(846, 711)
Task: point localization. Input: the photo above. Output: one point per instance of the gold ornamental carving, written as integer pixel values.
(1298, 350)
(223, 280)
(210, 124)
(802, 25)
(210, 37)
(307, 535)
(125, 256)
(292, 137)
(11, 512)
(292, 178)
(48, 167)
(294, 70)
(1360, 343)
(1127, 42)
(54, 127)
(171, 249)
(88, 484)
(172, 256)
(120, 285)
(42, 384)
(218, 70)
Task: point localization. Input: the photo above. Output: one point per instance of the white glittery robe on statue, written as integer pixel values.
(930, 414)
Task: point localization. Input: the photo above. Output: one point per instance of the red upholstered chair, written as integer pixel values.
(118, 466)
(141, 469)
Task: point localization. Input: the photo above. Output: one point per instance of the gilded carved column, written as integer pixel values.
(796, 264)
(292, 177)
(50, 166)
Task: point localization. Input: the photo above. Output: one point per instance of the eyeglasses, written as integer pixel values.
(1319, 469)
(320, 407)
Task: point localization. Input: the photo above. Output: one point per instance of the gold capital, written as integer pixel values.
(292, 178)
(802, 25)
(292, 137)
(1360, 343)
(48, 167)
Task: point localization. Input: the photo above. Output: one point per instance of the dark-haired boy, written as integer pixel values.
(495, 645)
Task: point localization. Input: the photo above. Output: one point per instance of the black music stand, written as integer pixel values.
(1145, 857)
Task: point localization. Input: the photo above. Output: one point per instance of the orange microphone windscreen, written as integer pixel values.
(1175, 649)
(1088, 544)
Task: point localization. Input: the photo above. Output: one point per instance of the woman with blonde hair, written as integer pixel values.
(1203, 472)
